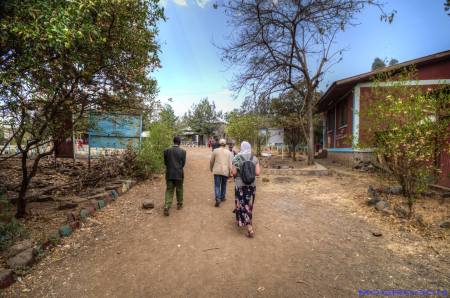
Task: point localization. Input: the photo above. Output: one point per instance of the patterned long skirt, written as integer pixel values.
(244, 200)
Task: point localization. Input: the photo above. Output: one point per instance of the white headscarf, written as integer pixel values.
(246, 148)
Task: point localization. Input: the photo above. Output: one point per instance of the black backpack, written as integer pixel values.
(248, 170)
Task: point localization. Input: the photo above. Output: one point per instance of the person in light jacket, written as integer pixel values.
(220, 166)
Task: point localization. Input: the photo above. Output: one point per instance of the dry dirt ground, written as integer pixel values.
(311, 241)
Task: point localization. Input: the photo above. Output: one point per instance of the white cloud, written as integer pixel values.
(180, 2)
(163, 3)
(202, 3)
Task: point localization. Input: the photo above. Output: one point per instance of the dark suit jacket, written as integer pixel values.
(174, 159)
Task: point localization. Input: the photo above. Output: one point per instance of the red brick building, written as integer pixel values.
(346, 99)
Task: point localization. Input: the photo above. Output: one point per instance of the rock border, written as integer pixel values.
(74, 219)
(313, 170)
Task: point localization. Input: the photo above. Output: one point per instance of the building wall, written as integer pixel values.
(351, 159)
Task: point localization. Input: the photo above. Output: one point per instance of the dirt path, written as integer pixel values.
(309, 243)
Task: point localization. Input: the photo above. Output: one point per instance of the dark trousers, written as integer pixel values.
(220, 187)
(171, 186)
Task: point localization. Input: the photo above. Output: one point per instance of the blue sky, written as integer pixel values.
(192, 70)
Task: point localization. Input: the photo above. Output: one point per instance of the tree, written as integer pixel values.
(378, 63)
(288, 112)
(246, 127)
(282, 46)
(167, 116)
(202, 117)
(393, 61)
(408, 126)
(60, 59)
(447, 6)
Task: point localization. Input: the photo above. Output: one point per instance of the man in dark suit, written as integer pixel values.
(174, 160)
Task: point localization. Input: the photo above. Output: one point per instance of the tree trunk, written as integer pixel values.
(310, 139)
(21, 202)
(293, 154)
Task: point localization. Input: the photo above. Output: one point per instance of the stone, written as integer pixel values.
(148, 204)
(445, 225)
(24, 259)
(65, 231)
(108, 199)
(18, 247)
(393, 190)
(381, 205)
(6, 278)
(67, 205)
(114, 194)
(101, 204)
(72, 216)
(373, 201)
(377, 233)
(402, 211)
(84, 213)
(74, 225)
(265, 179)
(373, 193)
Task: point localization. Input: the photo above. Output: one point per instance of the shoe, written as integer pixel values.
(166, 211)
(217, 204)
(224, 199)
(179, 207)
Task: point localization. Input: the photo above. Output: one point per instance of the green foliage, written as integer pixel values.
(63, 58)
(202, 117)
(167, 116)
(2, 135)
(393, 61)
(10, 232)
(150, 158)
(246, 127)
(408, 126)
(378, 63)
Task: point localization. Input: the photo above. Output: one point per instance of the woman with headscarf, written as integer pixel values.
(245, 193)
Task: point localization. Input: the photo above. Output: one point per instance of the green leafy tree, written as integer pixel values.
(408, 126)
(150, 157)
(393, 61)
(168, 117)
(288, 112)
(202, 117)
(378, 63)
(246, 127)
(60, 59)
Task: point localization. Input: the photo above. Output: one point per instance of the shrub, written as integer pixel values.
(150, 157)
(408, 126)
(10, 232)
